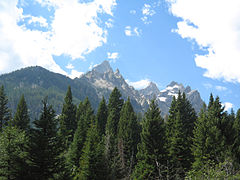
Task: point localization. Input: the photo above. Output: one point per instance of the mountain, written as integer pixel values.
(164, 97)
(36, 83)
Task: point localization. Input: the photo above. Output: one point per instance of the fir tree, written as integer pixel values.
(114, 108)
(21, 118)
(236, 143)
(92, 163)
(45, 146)
(68, 122)
(5, 115)
(85, 116)
(180, 126)
(128, 138)
(101, 117)
(14, 153)
(151, 154)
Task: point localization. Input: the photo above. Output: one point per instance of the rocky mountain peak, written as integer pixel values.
(150, 90)
(103, 67)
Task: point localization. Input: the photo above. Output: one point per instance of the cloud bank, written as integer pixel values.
(139, 84)
(215, 26)
(75, 30)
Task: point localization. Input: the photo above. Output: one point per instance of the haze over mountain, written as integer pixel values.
(36, 83)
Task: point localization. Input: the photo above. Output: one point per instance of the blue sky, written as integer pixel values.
(193, 42)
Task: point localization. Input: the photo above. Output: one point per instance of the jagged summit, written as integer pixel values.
(103, 67)
(151, 90)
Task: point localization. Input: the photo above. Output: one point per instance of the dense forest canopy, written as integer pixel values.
(117, 143)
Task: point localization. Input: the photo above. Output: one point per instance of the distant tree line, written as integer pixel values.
(114, 143)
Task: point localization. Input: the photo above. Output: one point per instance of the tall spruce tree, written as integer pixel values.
(128, 138)
(21, 118)
(236, 143)
(180, 126)
(5, 114)
(92, 163)
(101, 117)
(13, 154)
(68, 123)
(45, 147)
(151, 156)
(209, 142)
(85, 115)
(114, 108)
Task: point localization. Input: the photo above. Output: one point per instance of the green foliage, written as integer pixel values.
(21, 118)
(180, 125)
(68, 122)
(5, 115)
(151, 154)
(85, 116)
(101, 117)
(13, 150)
(45, 146)
(92, 164)
(128, 138)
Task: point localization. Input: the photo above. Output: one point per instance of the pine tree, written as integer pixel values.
(236, 143)
(101, 117)
(5, 115)
(114, 109)
(13, 150)
(45, 146)
(151, 154)
(21, 118)
(128, 138)
(92, 163)
(68, 123)
(85, 115)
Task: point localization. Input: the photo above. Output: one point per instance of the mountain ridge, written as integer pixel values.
(36, 82)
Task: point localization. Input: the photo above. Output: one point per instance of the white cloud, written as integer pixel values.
(129, 31)
(228, 106)
(70, 66)
(74, 31)
(113, 56)
(75, 74)
(221, 88)
(139, 84)
(214, 25)
(147, 11)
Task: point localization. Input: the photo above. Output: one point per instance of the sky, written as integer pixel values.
(193, 42)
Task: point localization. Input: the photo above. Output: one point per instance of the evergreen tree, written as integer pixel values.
(209, 142)
(5, 115)
(236, 143)
(128, 138)
(21, 118)
(114, 108)
(45, 146)
(68, 123)
(151, 154)
(85, 116)
(13, 154)
(180, 126)
(92, 163)
(101, 117)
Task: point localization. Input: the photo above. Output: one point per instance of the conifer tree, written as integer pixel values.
(45, 147)
(180, 126)
(114, 109)
(21, 118)
(151, 154)
(128, 138)
(5, 115)
(101, 117)
(68, 122)
(13, 154)
(85, 116)
(236, 143)
(209, 142)
(92, 163)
